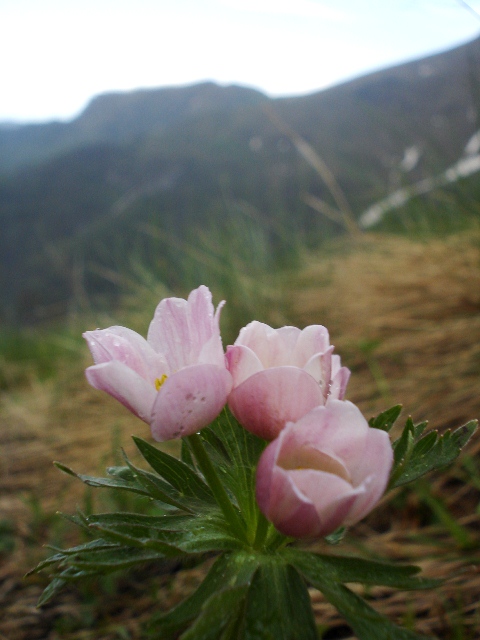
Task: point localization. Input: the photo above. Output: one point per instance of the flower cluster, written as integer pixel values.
(323, 467)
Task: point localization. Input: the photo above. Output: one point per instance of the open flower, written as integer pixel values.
(176, 380)
(328, 469)
(279, 375)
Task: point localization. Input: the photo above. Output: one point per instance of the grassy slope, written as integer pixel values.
(405, 317)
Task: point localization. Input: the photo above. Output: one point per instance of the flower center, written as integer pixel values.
(310, 458)
(159, 381)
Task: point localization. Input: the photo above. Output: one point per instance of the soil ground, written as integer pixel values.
(405, 317)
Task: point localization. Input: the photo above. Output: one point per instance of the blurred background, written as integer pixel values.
(309, 161)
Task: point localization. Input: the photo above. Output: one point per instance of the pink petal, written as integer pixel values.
(286, 338)
(267, 400)
(212, 350)
(273, 347)
(124, 384)
(312, 340)
(291, 513)
(374, 469)
(242, 363)
(319, 367)
(340, 377)
(332, 497)
(338, 428)
(189, 400)
(278, 499)
(128, 347)
(169, 332)
(187, 330)
(201, 314)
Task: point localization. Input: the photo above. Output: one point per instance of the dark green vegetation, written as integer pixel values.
(138, 177)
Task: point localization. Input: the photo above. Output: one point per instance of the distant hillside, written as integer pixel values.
(117, 118)
(77, 198)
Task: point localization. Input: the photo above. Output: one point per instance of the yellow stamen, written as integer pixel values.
(160, 381)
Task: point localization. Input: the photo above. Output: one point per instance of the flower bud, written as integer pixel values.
(327, 470)
(279, 375)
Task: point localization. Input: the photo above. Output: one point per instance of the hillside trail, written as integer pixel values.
(404, 316)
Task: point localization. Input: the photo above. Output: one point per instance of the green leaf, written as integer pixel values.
(108, 483)
(215, 447)
(237, 453)
(62, 554)
(326, 575)
(177, 473)
(146, 523)
(217, 613)
(186, 454)
(114, 535)
(366, 623)
(386, 420)
(337, 536)
(55, 586)
(124, 473)
(428, 453)
(278, 605)
(184, 534)
(103, 561)
(404, 445)
(162, 491)
(229, 571)
(317, 567)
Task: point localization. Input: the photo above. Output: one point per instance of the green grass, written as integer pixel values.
(38, 353)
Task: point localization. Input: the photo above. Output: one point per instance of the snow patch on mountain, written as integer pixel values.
(468, 164)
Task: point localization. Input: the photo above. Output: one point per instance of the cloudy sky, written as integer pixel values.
(57, 54)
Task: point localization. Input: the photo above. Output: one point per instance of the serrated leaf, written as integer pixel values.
(366, 623)
(424, 445)
(337, 536)
(217, 613)
(124, 473)
(175, 472)
(317, 567)
(243, 451)
(78, 519)
(278, 605)
(114, 559)
(386, 420)
(419, 428)
(215, 447)
(91, 545)
(185, 534)
(186, 454)
(425, 458)
(172, 523)
(61, 554)
(162, 491)
(107, 483)
(403, 446)
(55, 586)
(229, 570)
(112, 534)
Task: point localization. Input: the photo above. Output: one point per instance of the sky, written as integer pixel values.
(57, 54)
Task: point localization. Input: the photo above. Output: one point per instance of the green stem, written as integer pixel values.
(261, 532)
(206, 467)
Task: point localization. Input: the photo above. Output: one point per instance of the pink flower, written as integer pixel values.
(279, 375)
(176, 380)
(326, 470)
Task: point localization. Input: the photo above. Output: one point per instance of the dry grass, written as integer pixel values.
(405, 317)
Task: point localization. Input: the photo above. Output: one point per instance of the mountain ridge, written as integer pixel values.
(83, 191)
